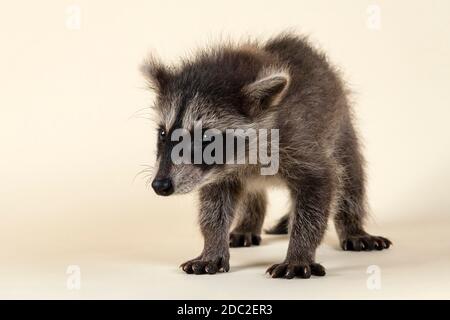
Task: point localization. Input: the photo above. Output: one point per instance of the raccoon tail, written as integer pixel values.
(281, 227)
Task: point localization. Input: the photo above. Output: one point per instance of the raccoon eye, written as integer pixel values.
(206, 138)
(162, 134)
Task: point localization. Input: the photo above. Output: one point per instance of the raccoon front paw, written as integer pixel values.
(365, 242)
(201, 265)
(244, 239)
(291, 270)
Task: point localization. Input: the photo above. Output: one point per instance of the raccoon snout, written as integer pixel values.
(163, 187)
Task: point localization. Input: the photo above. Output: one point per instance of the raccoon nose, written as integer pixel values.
(163, 187)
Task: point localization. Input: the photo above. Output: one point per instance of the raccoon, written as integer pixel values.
(283, 83)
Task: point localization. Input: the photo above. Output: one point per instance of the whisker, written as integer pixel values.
(143, 113)
(148, 170)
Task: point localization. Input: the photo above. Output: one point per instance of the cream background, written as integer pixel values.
(71, 144)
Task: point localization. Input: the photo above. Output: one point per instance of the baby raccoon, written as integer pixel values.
(282, 84)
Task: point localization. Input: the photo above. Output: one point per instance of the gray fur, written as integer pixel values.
(284, 84)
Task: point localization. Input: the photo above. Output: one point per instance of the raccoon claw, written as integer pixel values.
(365, 243)
(290, 270)
(246, 239)
(200, 266)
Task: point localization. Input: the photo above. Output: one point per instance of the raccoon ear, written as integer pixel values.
(156, 73)
(268, 90)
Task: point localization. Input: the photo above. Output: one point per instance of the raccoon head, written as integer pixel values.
(197, 104)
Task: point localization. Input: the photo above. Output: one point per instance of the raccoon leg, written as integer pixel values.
(311, 197)
(217, 206)
(352, 209)
(252, 210)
